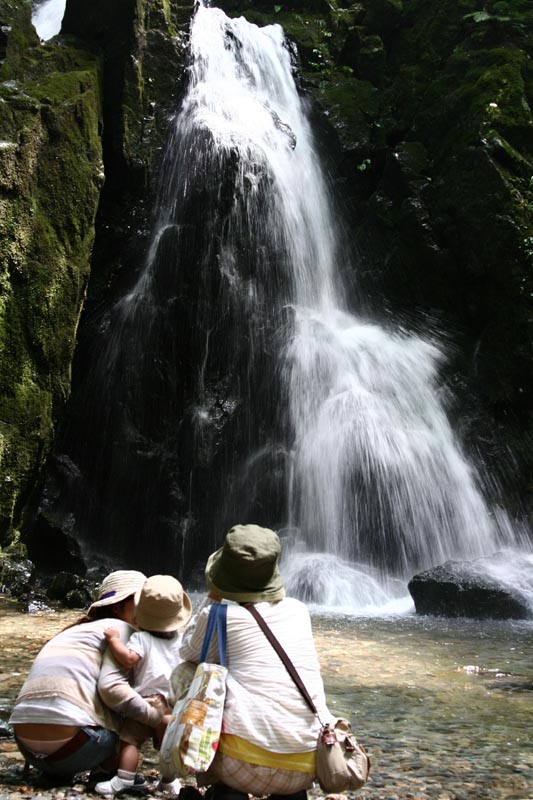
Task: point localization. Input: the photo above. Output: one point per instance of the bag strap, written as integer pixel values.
(289, 666)
(216, 621)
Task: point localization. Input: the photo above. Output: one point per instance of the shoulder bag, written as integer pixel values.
(341, 762)
(192, 735)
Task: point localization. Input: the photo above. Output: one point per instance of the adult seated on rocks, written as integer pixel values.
(61, 724)
(268, 744)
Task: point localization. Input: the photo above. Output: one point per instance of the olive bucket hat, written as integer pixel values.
(245, 568)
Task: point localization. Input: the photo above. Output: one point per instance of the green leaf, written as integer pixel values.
(479, 16)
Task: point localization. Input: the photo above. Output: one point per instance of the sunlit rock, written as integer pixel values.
(498, 587)
(16, 577)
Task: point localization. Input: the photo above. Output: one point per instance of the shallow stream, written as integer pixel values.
(444, 707)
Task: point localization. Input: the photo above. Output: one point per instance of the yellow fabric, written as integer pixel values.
(236, 747)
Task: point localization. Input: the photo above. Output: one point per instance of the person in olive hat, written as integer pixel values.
(268, 743)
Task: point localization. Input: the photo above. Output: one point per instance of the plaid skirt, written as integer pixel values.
(254, 778)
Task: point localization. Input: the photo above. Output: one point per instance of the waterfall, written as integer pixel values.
(241, 379)
(378, 476)
(47, 17)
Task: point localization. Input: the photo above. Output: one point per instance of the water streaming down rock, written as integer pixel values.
(233, 368)
(47, 17)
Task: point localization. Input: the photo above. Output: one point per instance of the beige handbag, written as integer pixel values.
(341, 762)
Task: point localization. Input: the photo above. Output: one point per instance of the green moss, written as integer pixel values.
(352, 107)
(50, 177)
(22, 40)
(492, 83)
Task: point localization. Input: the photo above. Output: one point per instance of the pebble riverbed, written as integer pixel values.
(445, 708)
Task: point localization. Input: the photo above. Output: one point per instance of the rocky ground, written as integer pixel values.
(22, 637)
(435, 728)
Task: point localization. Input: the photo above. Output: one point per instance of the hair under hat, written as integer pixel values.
(117, 586)
(162, 605)
(245, 568)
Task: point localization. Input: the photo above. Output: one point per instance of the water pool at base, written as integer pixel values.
(445, 707)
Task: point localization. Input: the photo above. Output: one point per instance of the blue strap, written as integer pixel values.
(216, 621)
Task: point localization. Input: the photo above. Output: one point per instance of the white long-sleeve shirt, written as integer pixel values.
(263, 705)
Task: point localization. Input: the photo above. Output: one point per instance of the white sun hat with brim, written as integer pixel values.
(118, 586)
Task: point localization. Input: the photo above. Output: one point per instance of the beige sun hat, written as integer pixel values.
(162, 605)
(245, 568)
(117, 586)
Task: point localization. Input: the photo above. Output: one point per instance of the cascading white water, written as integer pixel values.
(243, 271)
(47, 18)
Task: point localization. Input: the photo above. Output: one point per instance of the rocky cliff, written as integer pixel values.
(51, 173)
(78, 131)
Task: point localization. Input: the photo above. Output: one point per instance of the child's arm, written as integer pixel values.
(125, 657)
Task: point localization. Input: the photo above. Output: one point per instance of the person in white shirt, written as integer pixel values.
(162, 611)
(269, 735)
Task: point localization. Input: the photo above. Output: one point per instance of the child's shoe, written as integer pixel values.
(99, 775)
(172, 788)
(116, 785)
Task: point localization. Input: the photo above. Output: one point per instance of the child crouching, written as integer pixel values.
(162, 612)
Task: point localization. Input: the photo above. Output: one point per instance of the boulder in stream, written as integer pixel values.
(487, 588)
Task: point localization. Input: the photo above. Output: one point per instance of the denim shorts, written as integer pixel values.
(101, 745)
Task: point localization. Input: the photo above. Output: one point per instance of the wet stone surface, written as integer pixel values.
(445, 708)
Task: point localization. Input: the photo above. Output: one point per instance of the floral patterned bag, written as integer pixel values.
(192, 735)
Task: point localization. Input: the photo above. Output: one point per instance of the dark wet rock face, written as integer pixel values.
(54, 546)
(467, 589)
(71, 590)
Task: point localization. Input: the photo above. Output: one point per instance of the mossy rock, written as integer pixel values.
(352, 107)
(17, 576)
(50, 179)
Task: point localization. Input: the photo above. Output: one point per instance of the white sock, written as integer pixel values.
(126, 777)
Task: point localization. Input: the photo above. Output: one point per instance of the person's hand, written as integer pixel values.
(111, 633)
(158, 702)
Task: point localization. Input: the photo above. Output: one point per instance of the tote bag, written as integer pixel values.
(192, 735)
